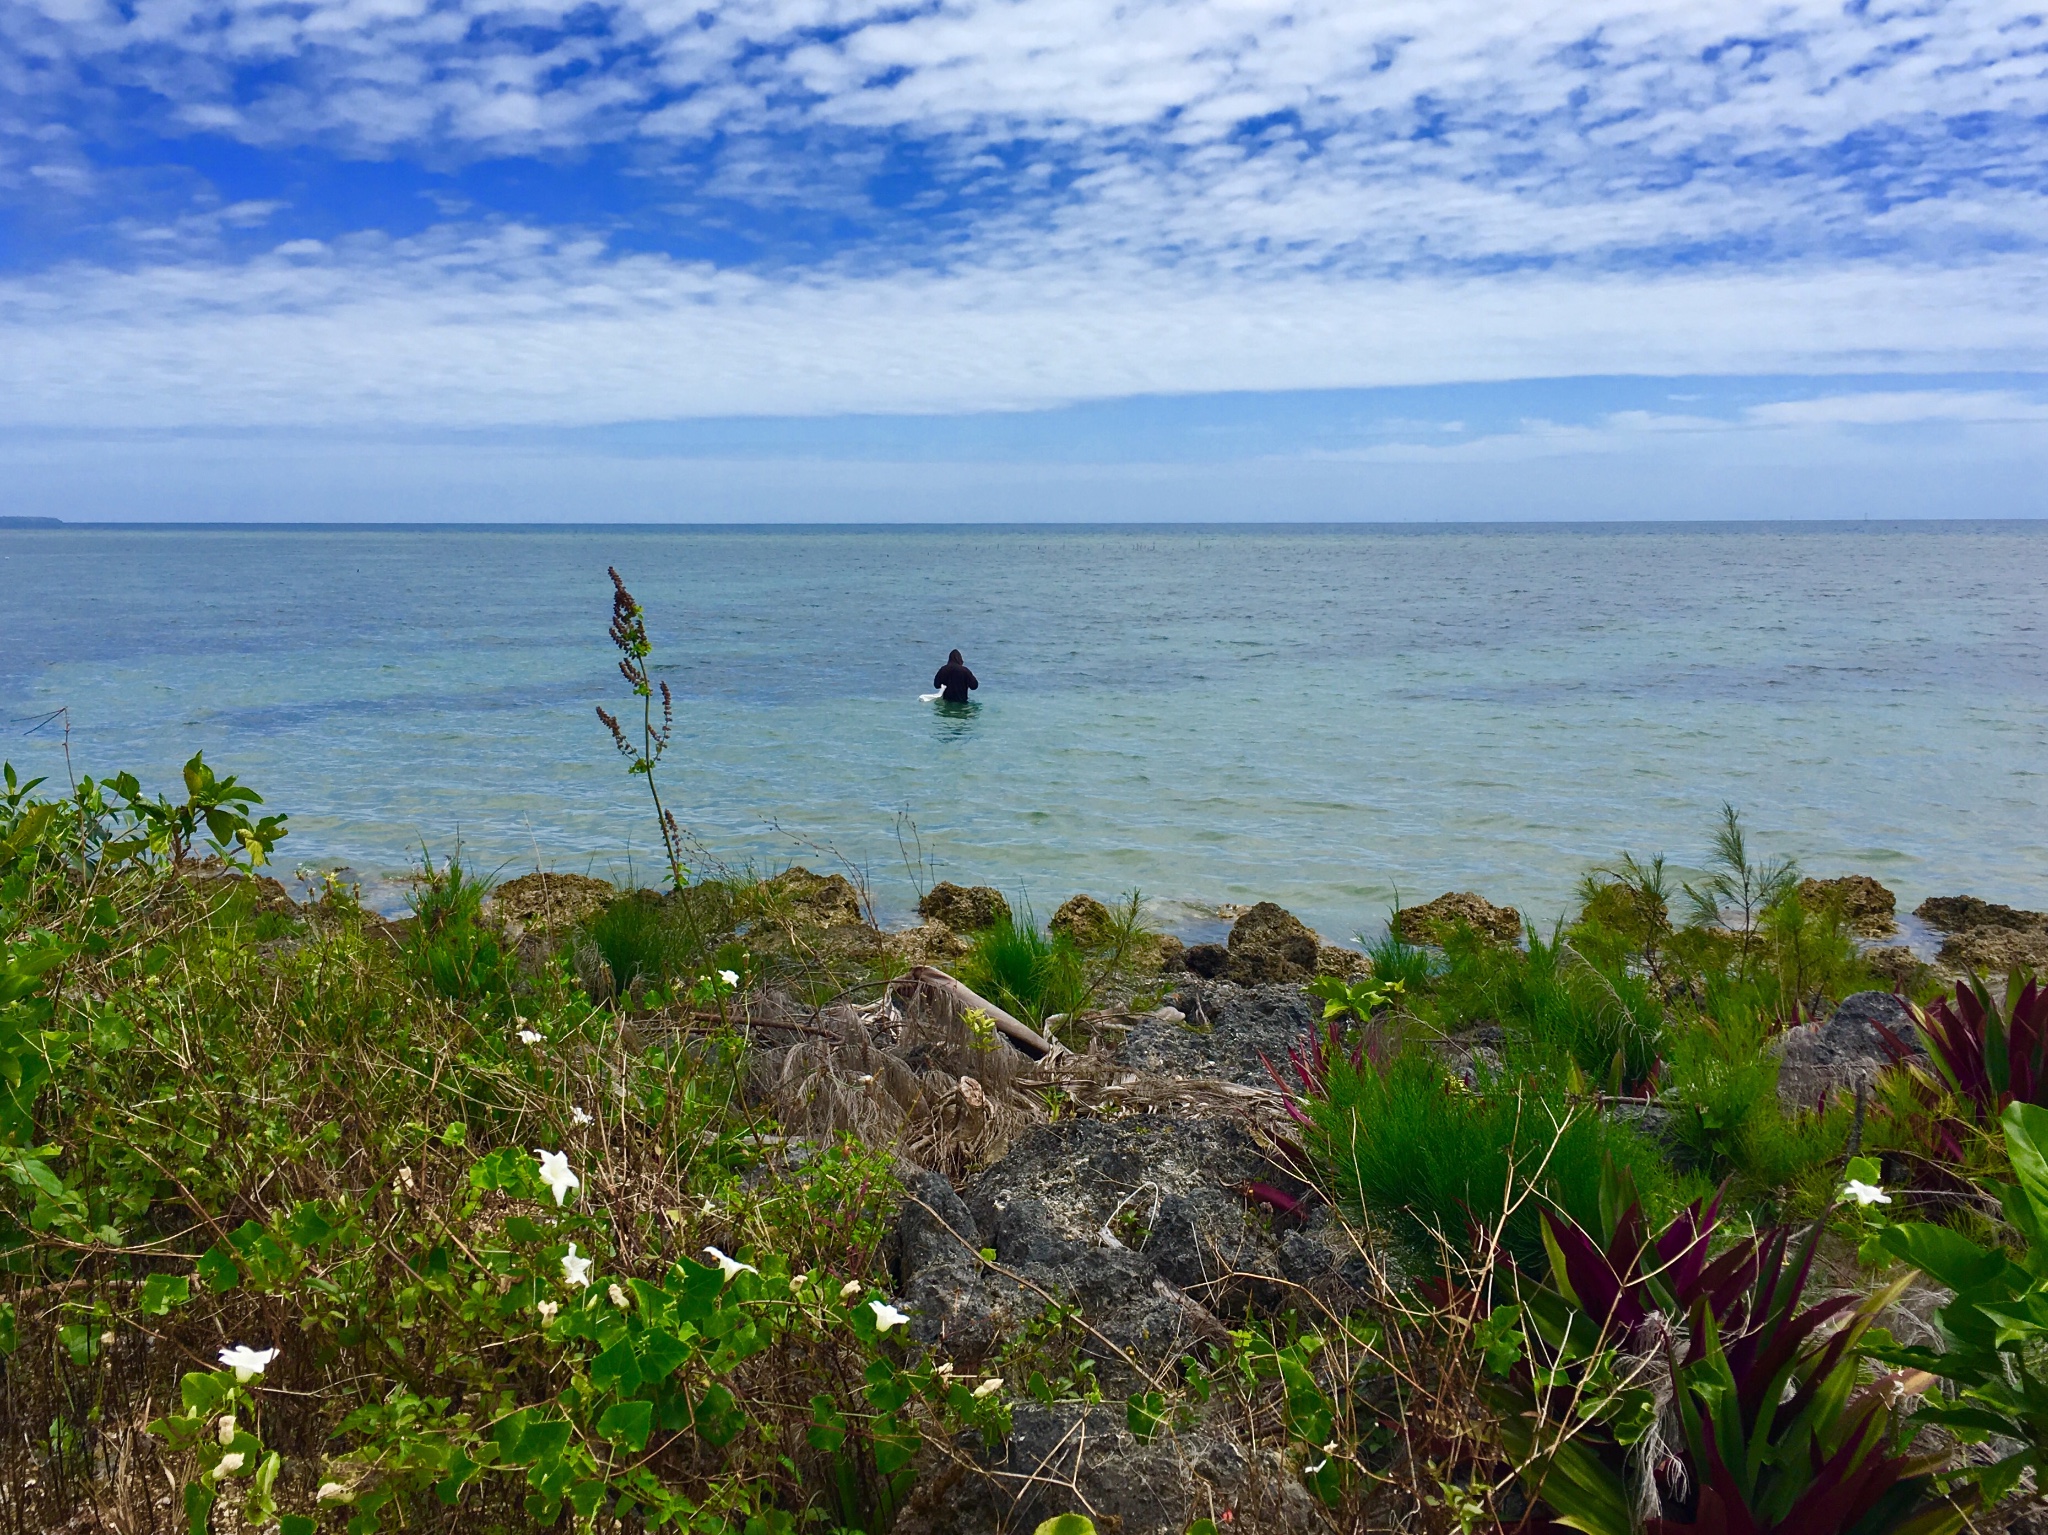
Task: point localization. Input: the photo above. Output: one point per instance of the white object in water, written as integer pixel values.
(929, 698)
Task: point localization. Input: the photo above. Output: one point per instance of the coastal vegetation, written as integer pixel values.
(719, 1207)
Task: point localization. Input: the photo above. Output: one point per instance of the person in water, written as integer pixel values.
(953, 680)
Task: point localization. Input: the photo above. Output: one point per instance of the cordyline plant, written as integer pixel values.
(629, 634)
(1987, 1057)
(1656, 1389)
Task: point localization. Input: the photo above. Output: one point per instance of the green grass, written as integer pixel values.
(1407, 1145)
(1025, 971)
(1558, 1008)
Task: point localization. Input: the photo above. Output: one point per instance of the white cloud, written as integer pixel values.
(1903, 407)
(521, 327)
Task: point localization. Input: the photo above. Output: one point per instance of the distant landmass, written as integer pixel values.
(31, 522)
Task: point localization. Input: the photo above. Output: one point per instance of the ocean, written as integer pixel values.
(1333, 718)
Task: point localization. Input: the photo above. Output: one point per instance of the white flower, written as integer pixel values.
(229, 1464)
(1312, 1470)
(990, 1386)
(247, 1363)
(226, 1432)
(530, 1036)
(554, 1172)
(798, 1281)
(618, 1297)
(547, 1310)
(945, 1369)
(710, 1210)
(732, 1268)
(887, 1316)
(575, 1270)
(730, 977)
(1866, 1193)
(331, 1492)
(850, 1289)
(578, 1117)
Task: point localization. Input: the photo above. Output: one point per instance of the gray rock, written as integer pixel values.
(1843, 1051)
(1188, 1247)
(1071, 1457)
(1223, 1032)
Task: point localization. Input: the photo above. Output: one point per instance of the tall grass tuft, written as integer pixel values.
(1026, 971)
(1404, 1142)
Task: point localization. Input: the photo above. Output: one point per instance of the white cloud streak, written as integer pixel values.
(519, 328)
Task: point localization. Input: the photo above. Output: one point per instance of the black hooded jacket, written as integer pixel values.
(954, 679)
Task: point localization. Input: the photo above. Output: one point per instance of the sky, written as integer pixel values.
(748, 260)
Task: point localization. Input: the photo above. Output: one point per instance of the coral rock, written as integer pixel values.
(964, 908)
(1864, 904)
(1442, 916)
(1085, 920)
(546, 902)
(826, 899)
(1270, 944)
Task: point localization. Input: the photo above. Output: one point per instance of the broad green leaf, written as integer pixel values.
(1067, 1524)
(218, 1270)
(160, 1292)
(616, 1369)
(627, 1424)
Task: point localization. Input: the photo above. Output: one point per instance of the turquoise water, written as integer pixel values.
(1314, 716)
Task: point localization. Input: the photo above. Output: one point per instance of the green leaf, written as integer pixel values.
(1945, 1255)
(1067, 1524)
(661, 1355)
(718, 1419)
(616, 1369)
(198, 1507)
(218, 1269)
(627, 1424)
(308, 1227)
(1145, 1415)
(2026, 1133)
(295, 1524)
(160, 1292)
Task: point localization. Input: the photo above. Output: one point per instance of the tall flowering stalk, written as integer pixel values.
(629, 634)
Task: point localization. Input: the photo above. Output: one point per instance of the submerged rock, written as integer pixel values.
(964, 908)
(1432, 923)
(1843, 1051)
(1269, 944)
(1865, 905)
(1960, 913)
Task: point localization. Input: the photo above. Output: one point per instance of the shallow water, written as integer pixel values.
(1316, 716)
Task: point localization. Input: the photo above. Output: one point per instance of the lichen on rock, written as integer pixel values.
(1433, 922)
(964, 908)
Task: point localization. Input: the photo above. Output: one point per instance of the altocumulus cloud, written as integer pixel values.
(586, 212)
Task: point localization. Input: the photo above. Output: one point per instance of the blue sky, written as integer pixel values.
(820, 258)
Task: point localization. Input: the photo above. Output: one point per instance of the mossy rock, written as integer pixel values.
(963, 908)
(551, 902)
(1269, 945)
(1865, 905)
(1437, 920)
(829, 900)
(1085, 920)
(1961, 913)
(1348, 963)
